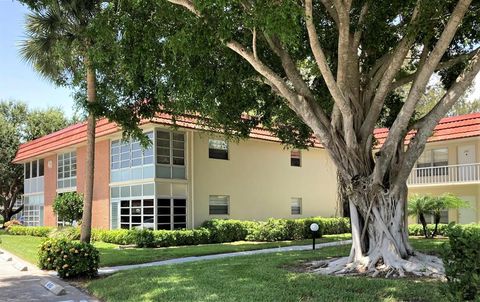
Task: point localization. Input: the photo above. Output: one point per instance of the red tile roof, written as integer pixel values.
(455, 127)
(449, 128)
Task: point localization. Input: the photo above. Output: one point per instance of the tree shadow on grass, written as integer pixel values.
(256, 278)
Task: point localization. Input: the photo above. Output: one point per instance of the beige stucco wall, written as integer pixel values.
(260, 181)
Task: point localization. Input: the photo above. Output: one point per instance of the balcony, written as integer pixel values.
(440, 175)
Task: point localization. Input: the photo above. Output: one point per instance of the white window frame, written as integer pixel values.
(292, 156)
(71, 155)
(296, 203)
(216, 141)
(212, 199)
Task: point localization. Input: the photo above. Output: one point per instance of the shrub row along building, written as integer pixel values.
(189, 175)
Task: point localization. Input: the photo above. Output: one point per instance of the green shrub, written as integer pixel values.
(229, 230)
(120, 236)
(462, 262)
(144, 238)
(417, 229)
(164, 238)
(70, 233)
(40, 231)
(69, 258)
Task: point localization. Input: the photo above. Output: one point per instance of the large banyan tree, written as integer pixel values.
(327, 69)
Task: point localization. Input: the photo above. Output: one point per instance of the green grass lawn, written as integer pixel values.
(261, 278)
(26, 248)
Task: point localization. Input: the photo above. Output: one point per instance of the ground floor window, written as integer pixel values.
(172, 213)
(136, 206)
(32, 214)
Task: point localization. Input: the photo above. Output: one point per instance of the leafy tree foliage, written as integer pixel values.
(68, 206)
(306, 70)
(17, 125)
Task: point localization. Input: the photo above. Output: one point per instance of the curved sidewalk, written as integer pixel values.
(114, 269)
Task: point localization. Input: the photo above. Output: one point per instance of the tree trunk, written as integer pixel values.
(436, 218)
(90, 158)
(380, 238)
(423, 221)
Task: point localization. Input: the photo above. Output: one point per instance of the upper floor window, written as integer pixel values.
(170, 154)
(436, 159)
(217, 149)
(67, 170)
(34, 169)
(129, 161)
(295, 158)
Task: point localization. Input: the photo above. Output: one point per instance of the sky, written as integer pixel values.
(19, 81)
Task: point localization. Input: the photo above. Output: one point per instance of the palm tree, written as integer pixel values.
(441, 203)
(58, 44)
(419, 206)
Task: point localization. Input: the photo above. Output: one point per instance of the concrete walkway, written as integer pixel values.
(114, 269)
(18, 285)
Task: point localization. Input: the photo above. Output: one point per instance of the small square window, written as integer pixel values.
(296, 206)
(295, 158)
(217, 149)
(218, 204)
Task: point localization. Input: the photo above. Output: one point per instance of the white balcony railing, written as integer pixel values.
(467, 173)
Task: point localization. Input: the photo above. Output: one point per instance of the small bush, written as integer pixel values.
(144, 238)
(40, 231)
(462, 262)
(69, 233)
(11, 223)
(70, 259)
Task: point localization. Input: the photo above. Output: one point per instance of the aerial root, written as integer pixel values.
(419, 265)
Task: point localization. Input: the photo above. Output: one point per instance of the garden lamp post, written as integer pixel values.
(314, 228)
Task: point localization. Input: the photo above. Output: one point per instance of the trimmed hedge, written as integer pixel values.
(462, 262)
(417, 229)
(29, 231)
(70, 259)
(211, 231)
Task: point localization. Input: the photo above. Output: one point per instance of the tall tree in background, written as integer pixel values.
(17, 125)
(57, 44)
(325, 68)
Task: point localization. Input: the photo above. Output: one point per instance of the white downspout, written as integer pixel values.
(192, 167)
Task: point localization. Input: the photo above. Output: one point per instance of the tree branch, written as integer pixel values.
(397, 130)
(426, 124)
(391, 69)
(326, 72)
(188, 4)
(442, 65)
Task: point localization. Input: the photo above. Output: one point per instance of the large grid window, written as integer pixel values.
(296, 206)
(218, 204)
(33, 173)
(170, 154)
(217, 149)
(171, 213)
(128, 161)
(67, 170)
(34, 169)
(33, 210)
(133, 206)
(436, 159)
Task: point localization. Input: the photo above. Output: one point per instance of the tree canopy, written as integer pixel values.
(328, 70)
(18, 124)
